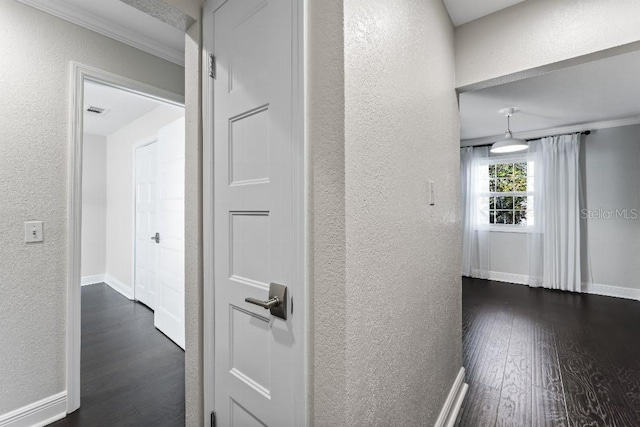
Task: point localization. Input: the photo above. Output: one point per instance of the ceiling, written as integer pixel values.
(121, 107)
(587, 94)
(122, 22)
(463, 11)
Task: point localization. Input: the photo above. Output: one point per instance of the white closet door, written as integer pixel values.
(169, 312)
(146, 253)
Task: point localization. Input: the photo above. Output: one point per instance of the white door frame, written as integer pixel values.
(300, 207)
(79, 74)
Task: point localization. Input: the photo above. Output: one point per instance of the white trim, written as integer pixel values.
(121, 287)
(452, 405)
(78, 74)
(37, 414)
(92, 280)
(109, 29)
(535, 134)
(611, 291)
(587, 288)
(518, 279)
(508, 228)
(298, 134)
(208, 328)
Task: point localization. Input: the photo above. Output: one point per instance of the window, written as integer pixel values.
(509, 193)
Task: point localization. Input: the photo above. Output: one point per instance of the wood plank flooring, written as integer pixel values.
(537, 357)
(131, 374)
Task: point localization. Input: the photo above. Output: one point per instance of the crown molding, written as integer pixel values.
(106, 28)
(562, 130)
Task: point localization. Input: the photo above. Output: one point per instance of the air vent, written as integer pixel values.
(96, 111)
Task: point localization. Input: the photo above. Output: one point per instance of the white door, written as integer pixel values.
(169, 311)
(146, 250)
(256, 354)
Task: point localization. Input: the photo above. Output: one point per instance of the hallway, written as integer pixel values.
(131, 374)
(537, 357)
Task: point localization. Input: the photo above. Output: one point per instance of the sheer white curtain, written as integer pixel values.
(554, 236)
(475, 224)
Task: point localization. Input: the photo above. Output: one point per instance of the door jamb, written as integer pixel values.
(299, 28)
(208, 349)
(80, 73)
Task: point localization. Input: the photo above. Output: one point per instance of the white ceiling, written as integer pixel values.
(599, 91)
(122, 108)
(122, 22)
(463, 11)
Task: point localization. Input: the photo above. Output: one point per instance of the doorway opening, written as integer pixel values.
(551, 243)
(126, 282)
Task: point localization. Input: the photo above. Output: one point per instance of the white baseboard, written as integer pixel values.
(37, 414)
(452, 405)
(520, 279)
(91, 280)
(119, 286)
(587, 288)
(611, 291)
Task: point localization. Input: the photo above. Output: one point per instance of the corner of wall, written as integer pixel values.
(325, 215)
(194, 279)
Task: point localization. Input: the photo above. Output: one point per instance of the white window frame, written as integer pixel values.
(498, 160)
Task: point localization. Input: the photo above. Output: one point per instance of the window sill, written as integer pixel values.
(507, 229)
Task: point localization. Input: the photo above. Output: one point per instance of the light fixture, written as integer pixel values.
(509, 144)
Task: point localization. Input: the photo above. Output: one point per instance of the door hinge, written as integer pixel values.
(212, 66)
(213, 419)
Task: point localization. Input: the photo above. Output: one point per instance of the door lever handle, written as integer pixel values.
(277, 302)
(156, 237)
(273, 302)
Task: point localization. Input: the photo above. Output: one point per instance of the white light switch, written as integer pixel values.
(432, 193)
(33, 232)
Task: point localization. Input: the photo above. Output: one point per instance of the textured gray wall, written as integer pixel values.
(193, 229)
(537, 33)
(34, 79)
(403, 256)
(326, 212)
(385, 267)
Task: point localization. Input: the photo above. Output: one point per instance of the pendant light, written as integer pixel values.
(509, 144)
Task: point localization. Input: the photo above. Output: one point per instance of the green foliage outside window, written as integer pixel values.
(510, 208)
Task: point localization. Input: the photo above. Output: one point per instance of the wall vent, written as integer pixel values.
(96, 111)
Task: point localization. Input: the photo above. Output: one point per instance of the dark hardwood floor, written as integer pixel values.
(537, 357)
(131, 374)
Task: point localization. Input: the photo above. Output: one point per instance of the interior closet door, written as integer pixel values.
(169, 313)
(146, 248)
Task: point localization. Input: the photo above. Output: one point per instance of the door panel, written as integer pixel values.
(254, 170)
(169, 314)
(146, 250)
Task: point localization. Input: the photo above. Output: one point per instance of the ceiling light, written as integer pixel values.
(509, 144)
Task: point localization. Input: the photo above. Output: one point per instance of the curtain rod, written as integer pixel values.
(586, 132)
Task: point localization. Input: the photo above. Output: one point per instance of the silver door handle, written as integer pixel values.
(273, 302)
(156, 237)
(277, 302)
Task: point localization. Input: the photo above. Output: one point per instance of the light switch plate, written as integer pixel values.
(432, 193)
(33, 232)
